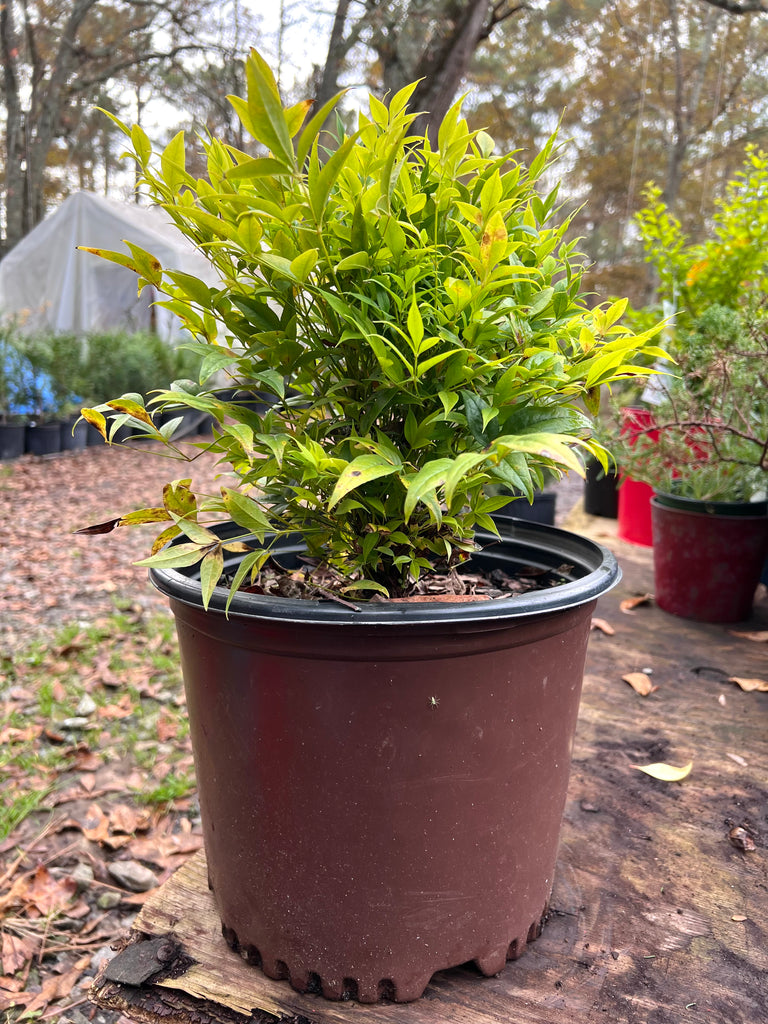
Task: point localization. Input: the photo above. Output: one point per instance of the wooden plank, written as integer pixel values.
(657, 916)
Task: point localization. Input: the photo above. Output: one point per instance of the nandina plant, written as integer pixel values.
(410, 318)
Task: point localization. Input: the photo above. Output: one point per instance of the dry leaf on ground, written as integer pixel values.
(750, 685)
(603, 626)
(741, 839)
(665, 772)
(629, 604)
(738, 759)
(640, 683)
(759, 636)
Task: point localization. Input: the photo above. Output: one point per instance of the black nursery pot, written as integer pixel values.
(74, 435)
(12, 440)
(382, 790)
(601, 492)
(540, 510)
(43, 438)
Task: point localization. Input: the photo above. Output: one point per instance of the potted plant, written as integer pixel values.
(707, 450)
(13, 369)
(707, 465)
(381, 740)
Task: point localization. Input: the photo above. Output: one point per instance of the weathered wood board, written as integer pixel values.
(657, 916)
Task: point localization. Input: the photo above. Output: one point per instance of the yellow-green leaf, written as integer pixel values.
(174, 557)
(245, 512)
(665, 772)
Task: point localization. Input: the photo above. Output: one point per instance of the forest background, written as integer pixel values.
(664, 90)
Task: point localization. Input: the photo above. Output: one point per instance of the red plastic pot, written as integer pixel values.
(381, 790)
(634, 505)
(707, 558)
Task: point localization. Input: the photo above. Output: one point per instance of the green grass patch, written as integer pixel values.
(90, 698)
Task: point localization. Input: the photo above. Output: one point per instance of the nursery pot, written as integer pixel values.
(708, 556)
(74, 435)
(43, 438)
(634, 500)
(540, 510)
(12, 440)
(601, 494)
(381, 790)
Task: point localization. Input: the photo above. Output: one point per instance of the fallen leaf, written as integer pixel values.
(741, 839)
(665, 772)
(749, 685)
(629, 604)
(738, 759)
(96, 824)
(16, 951)
(56, 987)
(640, 683)
(759, 637)
(603, 626)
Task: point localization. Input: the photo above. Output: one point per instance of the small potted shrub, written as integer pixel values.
(381, 729)
(707, 465)
(13, 369)
(705, 453)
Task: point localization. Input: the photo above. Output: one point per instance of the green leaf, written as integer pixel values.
(262, 167)
(357, 261)
(246, 512)
(303, 265)
(415, 326)
(358, 472)
(197, 534)
(308, 136)
(251, 563)
(266, 110)
(424, 483)
(173, 163)
(211, 568)
(320, 184)
(462, 465)
(176, 556)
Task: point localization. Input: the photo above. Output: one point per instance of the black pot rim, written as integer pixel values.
(595, 571)
(699, 506)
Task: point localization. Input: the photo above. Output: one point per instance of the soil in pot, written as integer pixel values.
(382, 791)
(707, 564)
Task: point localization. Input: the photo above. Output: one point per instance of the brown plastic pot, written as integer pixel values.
(382, 790)
(707, 556)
